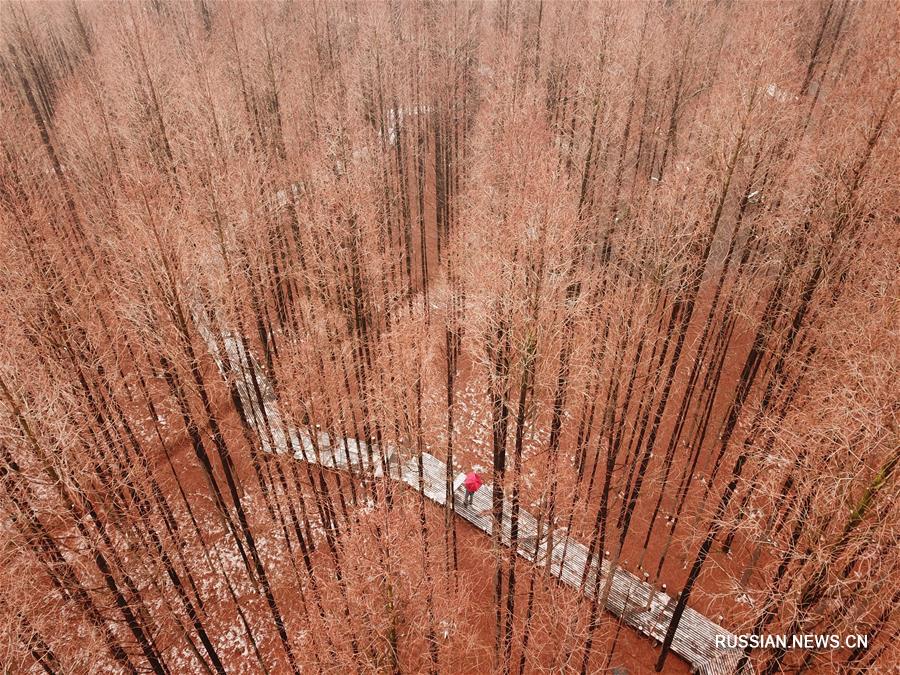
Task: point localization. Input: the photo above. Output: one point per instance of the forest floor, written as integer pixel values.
(466, 636)
(716, 591)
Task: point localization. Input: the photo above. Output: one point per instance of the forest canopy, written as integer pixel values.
(275, 274)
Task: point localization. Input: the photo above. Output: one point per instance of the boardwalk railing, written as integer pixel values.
(637, 603)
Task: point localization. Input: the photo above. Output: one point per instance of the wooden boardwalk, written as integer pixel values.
(639, 604)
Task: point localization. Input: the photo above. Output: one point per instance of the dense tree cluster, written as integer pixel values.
(638, 260)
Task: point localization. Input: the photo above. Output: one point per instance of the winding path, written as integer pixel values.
(639, 604)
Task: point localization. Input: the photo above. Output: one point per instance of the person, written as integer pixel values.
(472, 483)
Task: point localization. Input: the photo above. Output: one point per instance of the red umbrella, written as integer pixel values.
(473, 482)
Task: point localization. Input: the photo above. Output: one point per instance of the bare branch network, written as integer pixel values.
(276, 275)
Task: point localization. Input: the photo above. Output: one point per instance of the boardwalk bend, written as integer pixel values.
(637, 603)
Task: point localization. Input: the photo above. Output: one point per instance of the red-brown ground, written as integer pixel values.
(466, 638)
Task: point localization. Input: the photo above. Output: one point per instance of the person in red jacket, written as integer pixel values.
(472, 483)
